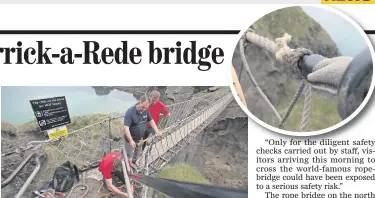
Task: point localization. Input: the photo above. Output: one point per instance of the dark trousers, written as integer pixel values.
(133, 154)
(118, 175)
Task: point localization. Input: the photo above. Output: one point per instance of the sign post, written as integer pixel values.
(52, 115)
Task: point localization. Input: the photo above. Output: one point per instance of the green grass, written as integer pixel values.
(274, 25)
(181, 172)
(78, 122)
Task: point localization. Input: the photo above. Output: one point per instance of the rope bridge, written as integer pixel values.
(85, 147)
(179, 134)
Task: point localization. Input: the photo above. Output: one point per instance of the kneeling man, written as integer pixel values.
(111, 167)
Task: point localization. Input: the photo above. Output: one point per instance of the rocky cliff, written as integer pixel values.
(168, 95)
(220, 151)
(223, 143)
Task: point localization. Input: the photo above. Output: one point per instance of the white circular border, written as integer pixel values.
(322, 131)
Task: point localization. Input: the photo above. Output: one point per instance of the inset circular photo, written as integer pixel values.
(303, 70)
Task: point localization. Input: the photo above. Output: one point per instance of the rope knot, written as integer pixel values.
(290, 56)
(282, 49)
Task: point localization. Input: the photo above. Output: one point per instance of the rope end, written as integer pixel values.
(282, 49)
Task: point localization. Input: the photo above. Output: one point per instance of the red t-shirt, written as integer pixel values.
(106, 166)
(155, 111)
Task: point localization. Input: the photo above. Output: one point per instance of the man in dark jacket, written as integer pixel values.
(135, 120)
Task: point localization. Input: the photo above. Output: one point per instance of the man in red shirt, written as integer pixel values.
(109, 167)
(157, 109)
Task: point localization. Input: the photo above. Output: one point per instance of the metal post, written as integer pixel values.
(6, 154)
(127, 181)
(146, 165)
(126, 159)
(153, 193)
(103, 140)
(18, 169)
(110, 134)
(31, 177)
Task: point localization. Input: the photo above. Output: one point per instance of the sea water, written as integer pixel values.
(16, 107)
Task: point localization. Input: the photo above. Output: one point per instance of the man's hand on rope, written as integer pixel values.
(159, 133)
(327, 74)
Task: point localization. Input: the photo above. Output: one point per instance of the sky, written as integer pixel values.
(347, 38)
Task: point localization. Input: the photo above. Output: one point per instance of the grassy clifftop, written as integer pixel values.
(25, 129)
(305, 31)
(323, 113)
(183, 172)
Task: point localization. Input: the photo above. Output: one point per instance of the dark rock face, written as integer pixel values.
(11, 138)
(274, 78)
(220, 151)
(200, 88)
(8, 129)
(102, 91)
(162, 90)
(137, 91)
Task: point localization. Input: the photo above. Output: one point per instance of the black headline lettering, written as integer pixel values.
(94, 53)
(188, 55)
(106, 55)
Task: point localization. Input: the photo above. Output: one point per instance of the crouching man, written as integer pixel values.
(111, 167)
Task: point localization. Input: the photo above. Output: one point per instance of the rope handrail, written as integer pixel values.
(242, 43)
(30, 144)
(284, 54)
